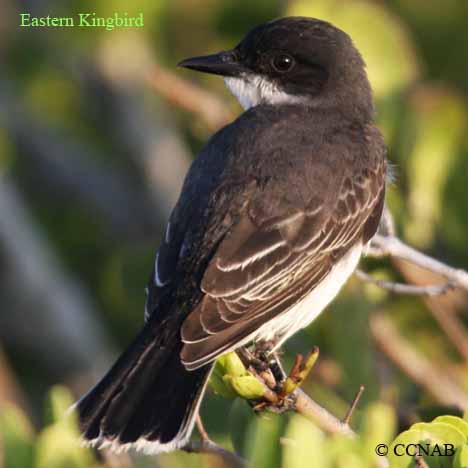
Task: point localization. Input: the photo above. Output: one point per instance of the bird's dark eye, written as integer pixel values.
(282, 63)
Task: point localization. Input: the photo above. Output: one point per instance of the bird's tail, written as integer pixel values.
(147, 400)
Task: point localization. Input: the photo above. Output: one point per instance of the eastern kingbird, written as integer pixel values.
(272, 220)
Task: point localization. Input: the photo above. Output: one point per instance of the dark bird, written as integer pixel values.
(272, 220)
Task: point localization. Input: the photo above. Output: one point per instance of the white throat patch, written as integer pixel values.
(253, 90)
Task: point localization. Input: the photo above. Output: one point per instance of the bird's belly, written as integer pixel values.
(304, 312)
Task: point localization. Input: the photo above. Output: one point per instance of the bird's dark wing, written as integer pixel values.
(281, 247)
(267, 209)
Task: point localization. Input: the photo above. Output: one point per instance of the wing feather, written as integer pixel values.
(261, 270)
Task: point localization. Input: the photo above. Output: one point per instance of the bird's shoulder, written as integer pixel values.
(271, 157)
(271, 141)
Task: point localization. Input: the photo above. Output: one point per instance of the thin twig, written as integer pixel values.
(208, 446)
(201, 429)
(354, 403)
(410, 289)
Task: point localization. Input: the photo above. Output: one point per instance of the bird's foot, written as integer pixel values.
(266, 357)
(280, 396)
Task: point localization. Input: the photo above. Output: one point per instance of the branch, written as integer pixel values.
(206, 445)
(277, 400)
(329, 423)
(394, 247)
(283, 393)
(409, 261)
(320, 416)
(410, 289)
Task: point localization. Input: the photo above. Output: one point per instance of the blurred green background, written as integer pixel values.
(96, 135)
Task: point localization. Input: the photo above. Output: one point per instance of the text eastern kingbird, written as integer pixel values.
(271, 222)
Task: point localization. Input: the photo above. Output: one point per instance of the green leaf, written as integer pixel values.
(230, 379)
(246, 386)
(441, 431)
(391, 60)
(456, 422)
(396, 453)
(461, 457)
(17, 436)
(219, 385)
(231, 364)
(435, 434)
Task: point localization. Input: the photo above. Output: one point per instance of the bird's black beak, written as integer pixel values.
(224, 63)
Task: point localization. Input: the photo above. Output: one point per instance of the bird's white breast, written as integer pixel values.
(303, 313)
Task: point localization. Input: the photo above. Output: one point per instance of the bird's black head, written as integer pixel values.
(293, 60)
